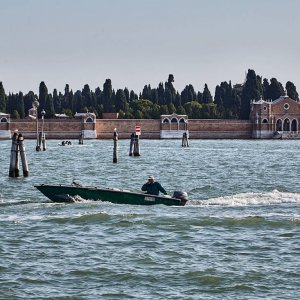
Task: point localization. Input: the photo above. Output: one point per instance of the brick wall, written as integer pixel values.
(69, 129)
(220, 129)
(52, 128)
(105, 128)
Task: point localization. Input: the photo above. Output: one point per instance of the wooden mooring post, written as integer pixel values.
(115, 155)
(185, 140)
(23, 155)
(131, 144)
(81, 138)
(44, 141)
(16, 147)
(134, 145)
(14, 157)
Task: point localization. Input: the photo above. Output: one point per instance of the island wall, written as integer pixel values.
(150, 129)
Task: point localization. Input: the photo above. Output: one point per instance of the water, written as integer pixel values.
(237, 238)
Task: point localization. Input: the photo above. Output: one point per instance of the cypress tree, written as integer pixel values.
(49, 107)
(291, 91)
(170, 92)
(67, 102)
(188, 94)
(251, 91)
(207, 98)
(275, 89)
(199, 97)
(177, 101)
(154, 96)
(20, 105)
(2, 98)
(161, 94)
(120, 101)
(56, 102)
(87, 97)
(168, 96)
(146, 93)
(126, 92)
(133, 96)
(43, 94)
(219, 94)
(98, 95)
(11, 103)
(78, 102)
(107, 96)
(266, 85)
(28, 100)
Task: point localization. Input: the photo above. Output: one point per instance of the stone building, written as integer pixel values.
(88, 121)
(275, 119)
(5, 132)
(173, 126)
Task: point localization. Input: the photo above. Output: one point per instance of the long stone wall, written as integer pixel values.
(151, 129)
(54, 129)
(220, 129)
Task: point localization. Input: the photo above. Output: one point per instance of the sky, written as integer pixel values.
(139, 42)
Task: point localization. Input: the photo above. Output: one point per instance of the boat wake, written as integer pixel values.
(78, 199)
(250, 199)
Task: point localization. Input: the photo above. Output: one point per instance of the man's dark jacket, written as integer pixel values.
(153, 188)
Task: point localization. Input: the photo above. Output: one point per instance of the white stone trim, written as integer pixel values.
(5, 134)
(172, 134)
(89, 134)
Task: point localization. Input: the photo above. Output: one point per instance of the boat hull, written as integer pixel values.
(70, 193)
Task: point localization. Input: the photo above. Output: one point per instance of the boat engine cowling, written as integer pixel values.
(180, 195)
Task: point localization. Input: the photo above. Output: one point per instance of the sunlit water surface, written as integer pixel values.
(237, 238)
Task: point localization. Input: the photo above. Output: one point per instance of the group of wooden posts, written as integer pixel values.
(16, 148)
(81, 138)
(185, 140)
(19, 147)
(134, 149)
(41, 142)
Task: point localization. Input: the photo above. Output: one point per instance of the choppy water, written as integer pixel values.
(237, 238)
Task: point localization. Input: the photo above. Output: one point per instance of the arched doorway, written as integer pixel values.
(174, 124)
(286, 125)
(279, 125)
(294, 126)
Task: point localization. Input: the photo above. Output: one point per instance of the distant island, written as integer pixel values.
(229, 101)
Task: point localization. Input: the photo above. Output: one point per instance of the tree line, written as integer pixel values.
(229, 101)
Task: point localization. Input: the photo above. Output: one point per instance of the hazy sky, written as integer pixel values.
(138, 42)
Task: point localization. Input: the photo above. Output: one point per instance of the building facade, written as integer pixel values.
(275, 119)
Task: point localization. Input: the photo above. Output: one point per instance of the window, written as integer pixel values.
(286, 106)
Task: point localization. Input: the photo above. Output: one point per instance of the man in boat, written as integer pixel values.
(153, 187)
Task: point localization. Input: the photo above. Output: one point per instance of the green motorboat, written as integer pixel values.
(77, 193)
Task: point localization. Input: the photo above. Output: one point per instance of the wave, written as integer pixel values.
(245, 199)
(23, 202)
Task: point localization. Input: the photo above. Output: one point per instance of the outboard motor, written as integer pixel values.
(183, 196)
